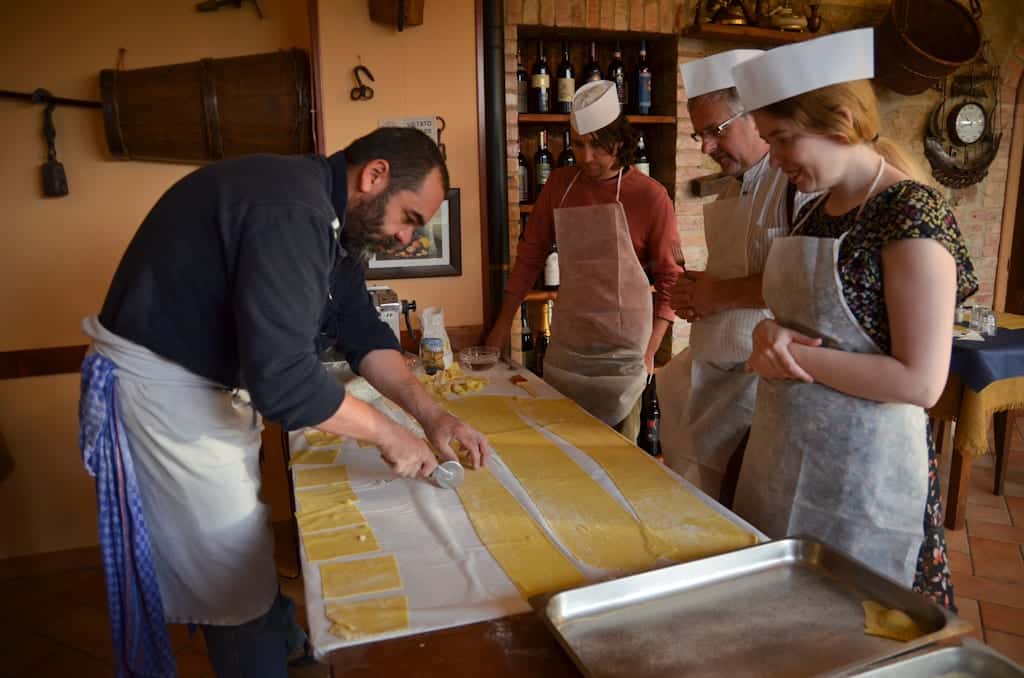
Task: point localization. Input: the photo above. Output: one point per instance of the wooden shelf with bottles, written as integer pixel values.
(658, 126)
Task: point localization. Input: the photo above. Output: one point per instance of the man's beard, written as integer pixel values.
(363, 234)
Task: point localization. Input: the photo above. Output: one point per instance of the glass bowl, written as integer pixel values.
(478, 358)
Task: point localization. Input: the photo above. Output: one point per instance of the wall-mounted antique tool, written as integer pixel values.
(55, 181)
(362, 92)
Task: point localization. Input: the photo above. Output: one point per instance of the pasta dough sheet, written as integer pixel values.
(348, 542)
(488, 414)
(554, 411)
(681, 525)
(343, 514)
(885, 623)
(358, 577)
(327, 475)
(588, 521)
(314, 457)
(521, 548)
(318, 438)
(325, 497)
(368, 617)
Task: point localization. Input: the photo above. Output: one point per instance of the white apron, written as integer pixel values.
(196, 457)
(706, 391)
(850, 472)
(605, 314)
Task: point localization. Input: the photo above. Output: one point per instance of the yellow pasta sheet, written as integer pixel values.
(360, 577)
(341, 514)
(325, 497)
(313, 457)
(327, 475)
(368, 617)
(318, 438)
(348, 542)
(524, 552)
(488, 414)
(684, 527)
(588, 521)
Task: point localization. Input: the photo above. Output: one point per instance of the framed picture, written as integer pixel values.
(435, 249)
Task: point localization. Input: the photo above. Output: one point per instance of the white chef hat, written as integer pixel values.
(802, 67)
(594, 106)
(713, 73)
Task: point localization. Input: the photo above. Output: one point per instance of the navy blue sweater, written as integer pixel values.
(236, 274)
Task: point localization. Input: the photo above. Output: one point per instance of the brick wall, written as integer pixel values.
(978, 208)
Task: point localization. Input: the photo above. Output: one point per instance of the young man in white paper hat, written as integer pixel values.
(613, 224)
(862, 296)
(705, 392)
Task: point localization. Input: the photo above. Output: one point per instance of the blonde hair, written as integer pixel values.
(818, 112)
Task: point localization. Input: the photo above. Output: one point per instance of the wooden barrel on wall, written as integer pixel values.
(204, 111)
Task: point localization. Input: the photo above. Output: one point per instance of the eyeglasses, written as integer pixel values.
(717, 131)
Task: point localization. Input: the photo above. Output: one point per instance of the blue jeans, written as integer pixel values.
(257, 648)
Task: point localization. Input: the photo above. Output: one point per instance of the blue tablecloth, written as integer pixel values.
(979, 363)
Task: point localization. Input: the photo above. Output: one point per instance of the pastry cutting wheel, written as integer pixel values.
(448, 475)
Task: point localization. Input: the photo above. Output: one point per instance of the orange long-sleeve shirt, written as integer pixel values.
(649, 212)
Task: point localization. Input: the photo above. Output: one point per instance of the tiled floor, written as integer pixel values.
(54, 624)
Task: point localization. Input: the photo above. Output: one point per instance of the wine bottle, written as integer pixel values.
(542, 163)
(543, 339)
(526, 341)
(524, 180)
(540, 83)
(566, 158)
(566, 81)
(592, 71)
(522, 85)
(649, 439)
(643, 82)
(642, 163)
(617, 74)
(551, 272)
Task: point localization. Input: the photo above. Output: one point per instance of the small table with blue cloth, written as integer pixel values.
(986, 383)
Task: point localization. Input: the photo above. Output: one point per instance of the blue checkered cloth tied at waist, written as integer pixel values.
(141, 643)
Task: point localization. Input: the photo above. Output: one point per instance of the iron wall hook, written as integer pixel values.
(362, 91)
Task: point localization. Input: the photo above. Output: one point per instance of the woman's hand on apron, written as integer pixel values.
(408, 455)
(444, 428)
(771, 357)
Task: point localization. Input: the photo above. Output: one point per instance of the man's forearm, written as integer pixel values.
(386, 370)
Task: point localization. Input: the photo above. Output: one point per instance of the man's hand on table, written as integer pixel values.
(407, 454)
(442, 428)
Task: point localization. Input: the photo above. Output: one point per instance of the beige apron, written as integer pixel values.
(850, 472)
(706, 390)
(604, 315)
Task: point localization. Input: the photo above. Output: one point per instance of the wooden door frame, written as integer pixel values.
(1010, 202)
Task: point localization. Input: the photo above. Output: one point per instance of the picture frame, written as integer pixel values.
(435, 250)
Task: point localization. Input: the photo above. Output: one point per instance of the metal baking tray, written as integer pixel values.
(971, 659)
(790, 607)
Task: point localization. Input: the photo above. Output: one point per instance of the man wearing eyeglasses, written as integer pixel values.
(706, 396)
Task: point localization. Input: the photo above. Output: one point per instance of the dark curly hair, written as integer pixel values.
(621, 132)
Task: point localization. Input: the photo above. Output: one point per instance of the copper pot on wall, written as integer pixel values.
(398, 13)
(920, 42)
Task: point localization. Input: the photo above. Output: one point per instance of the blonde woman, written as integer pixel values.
(863, 295)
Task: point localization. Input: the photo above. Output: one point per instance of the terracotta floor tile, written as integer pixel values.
(960, 562)
(997, 560)
(988, 514)
(82, 628)
(956, 540)
(995, 531)
(65, 661)
(1002, 618)
(1016, 507)
(968, 610)
(978, 497)
(989, 590)
(1010, 645)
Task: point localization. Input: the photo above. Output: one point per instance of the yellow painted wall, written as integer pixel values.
(422, 71)
(58, 254)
